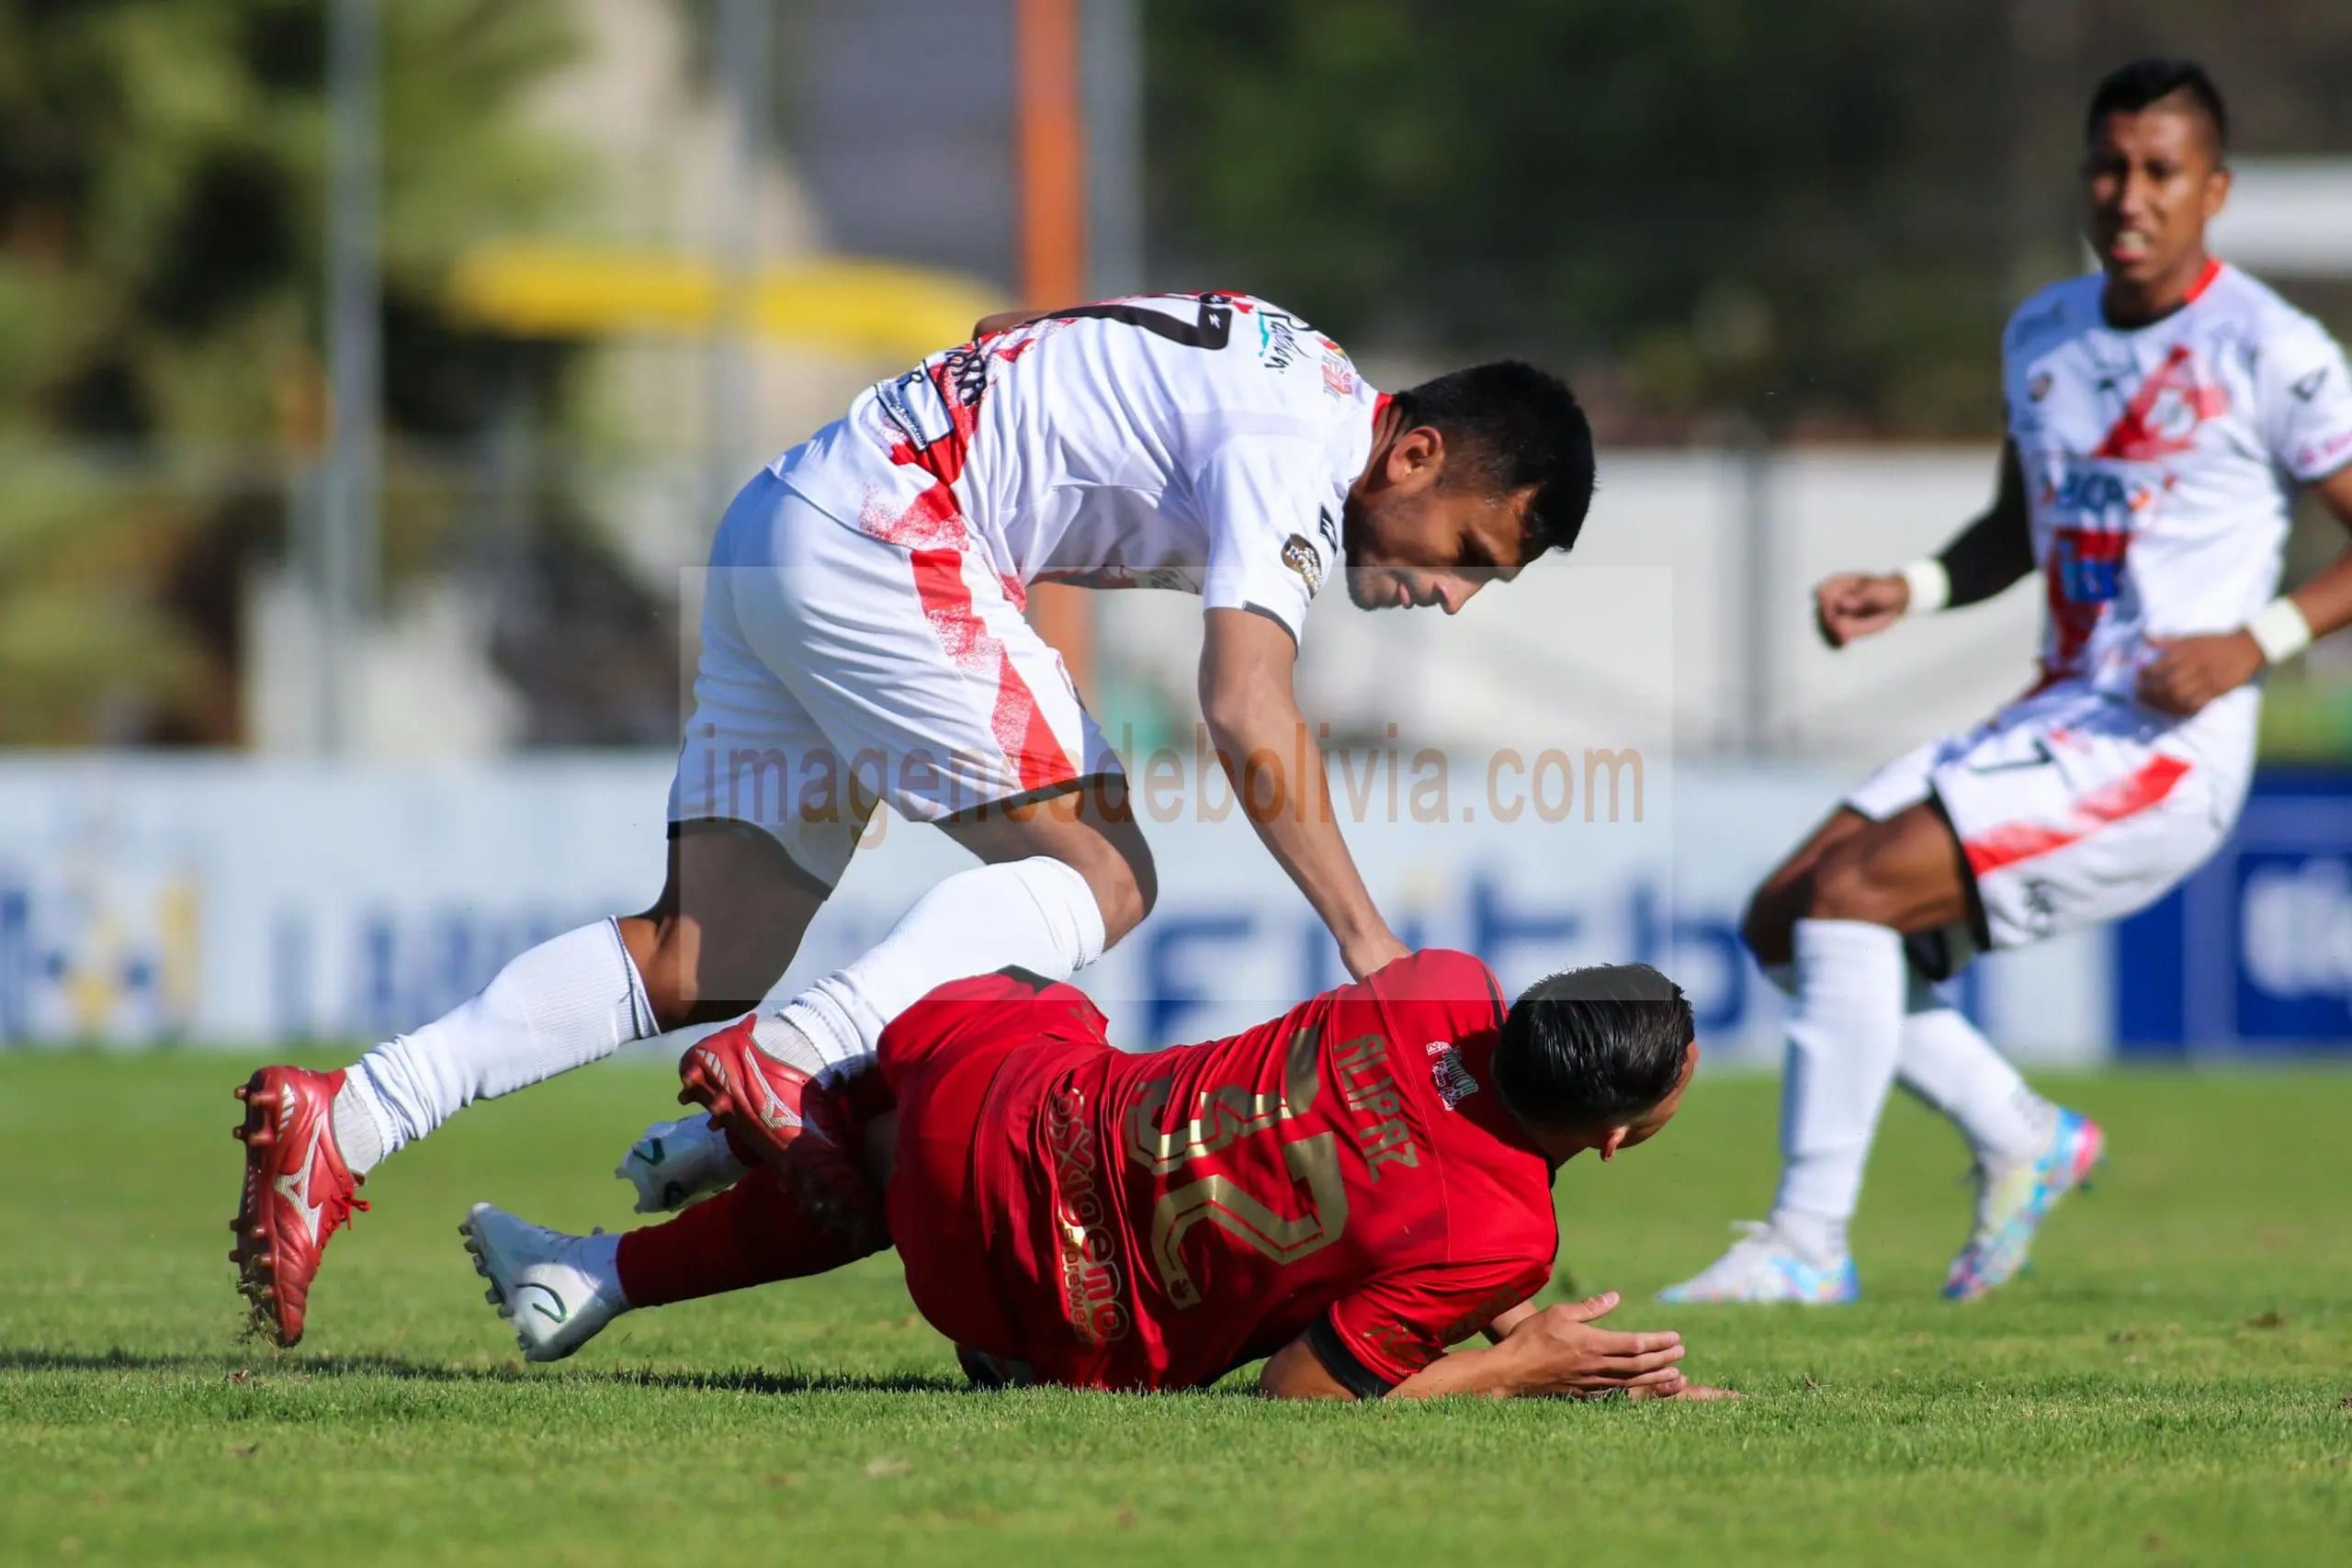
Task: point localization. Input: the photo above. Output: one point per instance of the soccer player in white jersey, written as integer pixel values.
(2162, 413)
(863, 639)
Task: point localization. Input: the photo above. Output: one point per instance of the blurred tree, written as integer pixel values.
(162, 188)
(1803, 216)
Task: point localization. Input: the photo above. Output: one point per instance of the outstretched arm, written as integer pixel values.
(1553, 1351)
(1985, 558)
(1278, 775)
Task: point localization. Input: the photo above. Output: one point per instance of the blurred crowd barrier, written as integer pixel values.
(241, 903)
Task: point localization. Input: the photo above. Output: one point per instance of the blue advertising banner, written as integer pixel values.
(236, 902)
(2253, 954)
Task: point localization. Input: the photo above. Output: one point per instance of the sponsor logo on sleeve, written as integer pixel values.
(1300, 555)
(2308, 388)
(1277, 339)
(1454, 1081)
(2039, 388)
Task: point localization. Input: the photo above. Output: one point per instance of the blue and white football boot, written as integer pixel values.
(1762, 1266)
(2013, 1199)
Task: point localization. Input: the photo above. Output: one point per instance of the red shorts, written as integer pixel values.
(953, 1193)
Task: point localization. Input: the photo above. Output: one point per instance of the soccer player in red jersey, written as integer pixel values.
(864, 638)
(1348, 1188)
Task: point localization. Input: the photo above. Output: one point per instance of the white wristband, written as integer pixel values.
(2280, 630)
(1930, 585)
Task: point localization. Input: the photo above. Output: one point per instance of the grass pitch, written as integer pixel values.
(2173, 1386)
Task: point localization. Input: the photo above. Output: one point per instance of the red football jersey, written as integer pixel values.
(1345, 1171)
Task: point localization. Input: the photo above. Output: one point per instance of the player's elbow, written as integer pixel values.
(1248, 702)
(1231, 710)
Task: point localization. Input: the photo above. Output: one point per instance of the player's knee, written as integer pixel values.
(1845, 885)
(672, 985)
(1126, 885)
(685, 983)
(1765, 926)
(1147, 880)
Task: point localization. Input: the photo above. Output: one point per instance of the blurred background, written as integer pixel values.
(372, 375)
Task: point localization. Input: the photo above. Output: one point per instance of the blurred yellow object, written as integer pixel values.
(840, 305)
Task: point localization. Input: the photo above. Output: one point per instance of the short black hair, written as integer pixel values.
(1592, 1048)
(2128, 89)
(1509, 426)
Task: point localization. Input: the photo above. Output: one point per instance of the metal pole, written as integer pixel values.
(1111, 51)
(349, 543)
(746, 60)
(1049, 163)
(1757, 602)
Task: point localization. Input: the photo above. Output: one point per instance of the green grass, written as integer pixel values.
(2172, 1387)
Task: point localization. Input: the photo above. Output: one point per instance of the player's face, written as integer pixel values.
(2154, 180)
(1424, 545)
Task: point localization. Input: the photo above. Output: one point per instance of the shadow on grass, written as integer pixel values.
(259, 1365)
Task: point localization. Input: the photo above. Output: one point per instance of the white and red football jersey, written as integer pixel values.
(1198, 442)
(2161, 463)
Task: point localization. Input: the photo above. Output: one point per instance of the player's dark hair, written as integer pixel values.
(1509, 426)
(2128, 89)
(1592, 1048)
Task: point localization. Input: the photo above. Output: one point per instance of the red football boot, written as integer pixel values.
(793, 1121)
(298, 1192)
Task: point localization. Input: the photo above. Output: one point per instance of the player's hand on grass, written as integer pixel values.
(2191, 671)
(1856, 603)
(1563, 1353)
(1688, 1393)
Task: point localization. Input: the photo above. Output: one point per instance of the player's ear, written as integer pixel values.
(1613, 1141)
(2217, 191)
(1415, 457)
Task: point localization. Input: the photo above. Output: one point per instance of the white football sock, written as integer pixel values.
(1948, 1063)
(599, 1257)
(1038, 913)
(1843, 1038)
(573, 1000)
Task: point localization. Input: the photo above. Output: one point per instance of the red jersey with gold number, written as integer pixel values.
(1346, 1170)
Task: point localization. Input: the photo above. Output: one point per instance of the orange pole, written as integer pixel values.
(1049, 137)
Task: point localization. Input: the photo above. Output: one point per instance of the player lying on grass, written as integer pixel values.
(862, 639)
(1348, 1188)
(2161, 413)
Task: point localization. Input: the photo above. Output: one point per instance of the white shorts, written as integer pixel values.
(839, 670)
(2072, 808)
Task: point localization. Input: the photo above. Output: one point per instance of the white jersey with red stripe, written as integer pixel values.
(1198, 442)
(2160, 465)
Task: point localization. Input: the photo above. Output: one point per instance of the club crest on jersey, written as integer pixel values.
(1454, 1081)
(2161, 417)
(1299, 553)
(1339, 376)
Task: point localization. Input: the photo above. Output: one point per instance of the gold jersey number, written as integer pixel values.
(1220, 1118)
